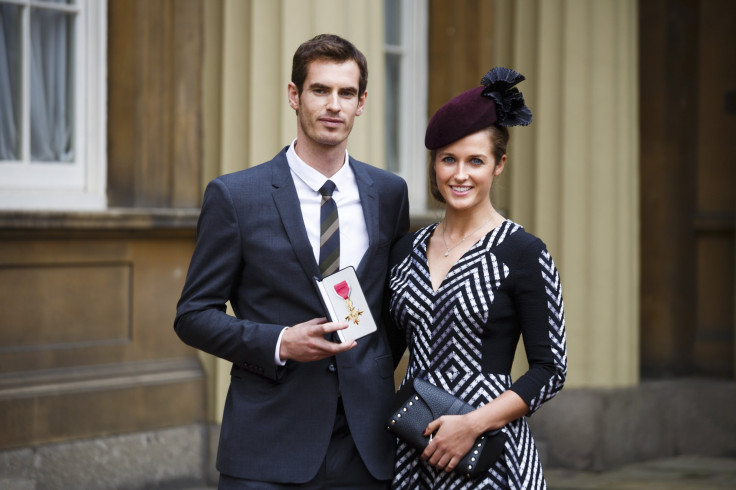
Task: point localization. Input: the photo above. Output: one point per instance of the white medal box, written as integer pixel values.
(344, 301)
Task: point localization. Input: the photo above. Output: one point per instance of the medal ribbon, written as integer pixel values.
(343, 290)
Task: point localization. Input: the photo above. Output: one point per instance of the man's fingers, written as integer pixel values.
(313, 321)
(306, 341)
(330, 327)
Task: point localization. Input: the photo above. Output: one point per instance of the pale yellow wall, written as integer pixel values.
(258, 39)
(574, 171)
(212, 87)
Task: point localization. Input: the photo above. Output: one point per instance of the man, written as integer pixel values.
(302, 411)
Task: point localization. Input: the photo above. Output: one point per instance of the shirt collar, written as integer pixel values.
(313, 178)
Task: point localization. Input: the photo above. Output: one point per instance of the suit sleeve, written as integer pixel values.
(201, 318)
(400, 247)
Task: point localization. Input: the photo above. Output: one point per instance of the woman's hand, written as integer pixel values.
(453, 437)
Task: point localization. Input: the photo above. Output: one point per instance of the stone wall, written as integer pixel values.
(602, 429)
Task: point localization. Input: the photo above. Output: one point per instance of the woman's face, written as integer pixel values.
(465, 170)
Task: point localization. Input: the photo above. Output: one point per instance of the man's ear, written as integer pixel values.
(361, 103)
(293, 94)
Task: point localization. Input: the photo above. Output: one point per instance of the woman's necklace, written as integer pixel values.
(447, 249)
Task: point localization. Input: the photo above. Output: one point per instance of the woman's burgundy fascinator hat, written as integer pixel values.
(496, 101)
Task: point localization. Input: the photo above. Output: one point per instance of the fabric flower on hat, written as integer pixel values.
(510, 107)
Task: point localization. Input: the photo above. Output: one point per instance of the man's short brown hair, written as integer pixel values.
(328, 47)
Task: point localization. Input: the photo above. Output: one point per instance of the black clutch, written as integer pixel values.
(420, 402)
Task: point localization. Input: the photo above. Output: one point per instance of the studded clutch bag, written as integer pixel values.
(420, 402)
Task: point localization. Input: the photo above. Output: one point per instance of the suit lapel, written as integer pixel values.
(369, 202)
(287, 202)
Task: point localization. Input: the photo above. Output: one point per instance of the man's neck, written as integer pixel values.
(325, 159)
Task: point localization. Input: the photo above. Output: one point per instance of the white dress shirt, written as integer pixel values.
(353, 230)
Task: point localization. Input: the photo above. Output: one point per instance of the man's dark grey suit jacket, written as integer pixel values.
(252, 250)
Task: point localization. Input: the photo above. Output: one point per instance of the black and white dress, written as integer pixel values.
(463, 338)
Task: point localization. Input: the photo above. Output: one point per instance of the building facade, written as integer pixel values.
(628, 173)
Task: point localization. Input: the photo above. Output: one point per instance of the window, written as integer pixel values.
(406, 95)
(52, 104)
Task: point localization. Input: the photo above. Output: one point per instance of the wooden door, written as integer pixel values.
(688, 187)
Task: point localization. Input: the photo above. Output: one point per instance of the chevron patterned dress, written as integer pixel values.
(463, 337)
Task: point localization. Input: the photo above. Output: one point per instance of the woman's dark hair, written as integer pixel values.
(327, 47)
(499, 138)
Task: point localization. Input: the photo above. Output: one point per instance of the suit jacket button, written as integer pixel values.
(332, 368)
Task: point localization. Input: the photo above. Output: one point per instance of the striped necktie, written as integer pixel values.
(329, 237)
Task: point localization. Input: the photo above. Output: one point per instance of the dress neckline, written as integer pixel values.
(425, 246)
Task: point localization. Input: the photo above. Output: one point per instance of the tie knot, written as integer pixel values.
(327, 189)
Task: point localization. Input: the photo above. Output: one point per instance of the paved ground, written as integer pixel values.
(682, 473)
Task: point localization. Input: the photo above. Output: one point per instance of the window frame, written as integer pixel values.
(81, 184)
(412, 164)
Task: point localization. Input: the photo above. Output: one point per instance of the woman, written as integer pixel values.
(469, 287)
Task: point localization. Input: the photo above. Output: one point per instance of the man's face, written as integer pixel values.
(328, 104)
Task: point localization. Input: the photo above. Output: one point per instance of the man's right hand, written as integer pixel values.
(306, 342)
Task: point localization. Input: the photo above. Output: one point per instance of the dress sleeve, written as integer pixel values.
(540, 310)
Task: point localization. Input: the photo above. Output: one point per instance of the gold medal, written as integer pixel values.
(343, 290)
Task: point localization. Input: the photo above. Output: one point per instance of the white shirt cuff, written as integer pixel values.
(276, 357)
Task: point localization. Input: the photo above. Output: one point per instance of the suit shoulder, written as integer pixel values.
(245, 174)
(260, 169)
(252, 176)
